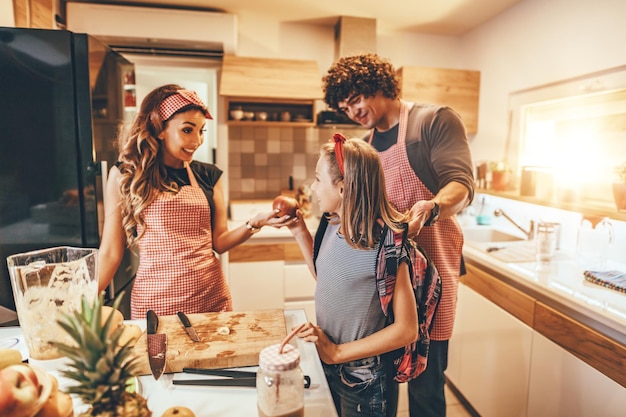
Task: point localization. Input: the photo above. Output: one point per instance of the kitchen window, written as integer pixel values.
(573, 133)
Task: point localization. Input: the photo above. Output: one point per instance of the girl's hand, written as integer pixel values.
(326, 349)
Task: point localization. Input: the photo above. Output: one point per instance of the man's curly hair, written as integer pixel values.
(366, 74)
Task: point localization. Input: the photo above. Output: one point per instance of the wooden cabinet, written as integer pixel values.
(458, 89)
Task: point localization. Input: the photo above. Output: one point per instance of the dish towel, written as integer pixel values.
(615, 280)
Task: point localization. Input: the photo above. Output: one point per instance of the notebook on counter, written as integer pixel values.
(615, 280)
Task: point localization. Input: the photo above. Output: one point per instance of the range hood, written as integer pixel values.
(266, 78)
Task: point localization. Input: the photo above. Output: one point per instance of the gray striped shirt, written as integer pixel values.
(346, 300)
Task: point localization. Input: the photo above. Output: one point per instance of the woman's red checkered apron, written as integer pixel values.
(178, 270)
(443, 242)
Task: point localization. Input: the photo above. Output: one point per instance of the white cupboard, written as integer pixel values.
(561, 385)
(489, 356)
(256, 285)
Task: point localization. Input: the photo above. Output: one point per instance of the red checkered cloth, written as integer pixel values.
(442, 242)
(178, 270)
(177, 101)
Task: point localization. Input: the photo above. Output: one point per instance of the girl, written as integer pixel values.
(352, 336)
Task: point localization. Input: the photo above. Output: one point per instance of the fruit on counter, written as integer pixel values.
(130, 333)
(19, 391)
(9, 357)
(118, 317)
(285, 205)
(59, 404)
(178, 412)
(101, 368)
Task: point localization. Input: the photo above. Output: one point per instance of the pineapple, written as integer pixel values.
(100, 365)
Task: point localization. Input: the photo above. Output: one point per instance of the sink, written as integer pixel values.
(488, 234)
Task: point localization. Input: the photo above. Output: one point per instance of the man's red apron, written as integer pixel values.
(443, 242)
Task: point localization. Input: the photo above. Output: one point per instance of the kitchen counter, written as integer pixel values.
(229, 401)
(554, 299)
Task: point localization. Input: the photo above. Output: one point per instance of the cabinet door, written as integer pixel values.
(256, 285)
(458, 89)
(490, 356)
(563, 385)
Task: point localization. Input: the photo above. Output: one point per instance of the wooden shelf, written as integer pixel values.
(588, 208)
(302, 112)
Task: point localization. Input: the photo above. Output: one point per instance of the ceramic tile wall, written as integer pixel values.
(261, 159)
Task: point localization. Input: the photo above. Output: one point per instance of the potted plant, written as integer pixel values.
(619, 186)
(500, 171)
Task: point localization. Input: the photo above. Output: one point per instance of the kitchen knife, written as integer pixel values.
(188, 327)
(157, 345)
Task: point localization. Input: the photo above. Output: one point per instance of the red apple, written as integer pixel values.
(285, 206)
(19, 391)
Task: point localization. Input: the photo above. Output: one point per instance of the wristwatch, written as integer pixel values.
(434, 215)
(252, 229)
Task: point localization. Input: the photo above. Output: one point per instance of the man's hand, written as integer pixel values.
(420, 212)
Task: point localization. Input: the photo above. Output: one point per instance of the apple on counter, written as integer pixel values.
(19, 391)
(285, 205)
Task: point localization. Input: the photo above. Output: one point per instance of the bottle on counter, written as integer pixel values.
(595, 236)
(280, 382)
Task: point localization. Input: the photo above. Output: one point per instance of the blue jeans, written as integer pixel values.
(363, 388)
(426, 392)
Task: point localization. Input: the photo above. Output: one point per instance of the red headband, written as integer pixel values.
(339, 141)
(180, 99)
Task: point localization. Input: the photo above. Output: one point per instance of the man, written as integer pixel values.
(428, 169)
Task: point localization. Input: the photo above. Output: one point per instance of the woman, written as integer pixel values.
(172, 209)
(354, 341)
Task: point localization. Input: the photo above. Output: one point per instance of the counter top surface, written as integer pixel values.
(226, 401)
(561, 283)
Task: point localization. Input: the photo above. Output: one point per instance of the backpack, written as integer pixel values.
(426, 283)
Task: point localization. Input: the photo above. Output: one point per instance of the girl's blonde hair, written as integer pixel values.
(364, 196)
(143, 175)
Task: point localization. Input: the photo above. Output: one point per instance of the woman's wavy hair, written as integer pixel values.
(143, 175)
(364, 195)
(366, 74)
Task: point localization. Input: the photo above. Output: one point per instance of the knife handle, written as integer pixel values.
(153, 322)
(183, 318)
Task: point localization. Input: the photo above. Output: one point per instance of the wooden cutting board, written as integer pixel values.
(249, 333)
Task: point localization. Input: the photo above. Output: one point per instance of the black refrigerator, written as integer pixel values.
(63, 97)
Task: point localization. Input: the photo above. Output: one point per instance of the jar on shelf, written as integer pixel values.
(280, 383)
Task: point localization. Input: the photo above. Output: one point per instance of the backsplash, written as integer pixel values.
(261, 159)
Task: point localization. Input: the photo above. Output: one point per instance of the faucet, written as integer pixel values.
(530, 233)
